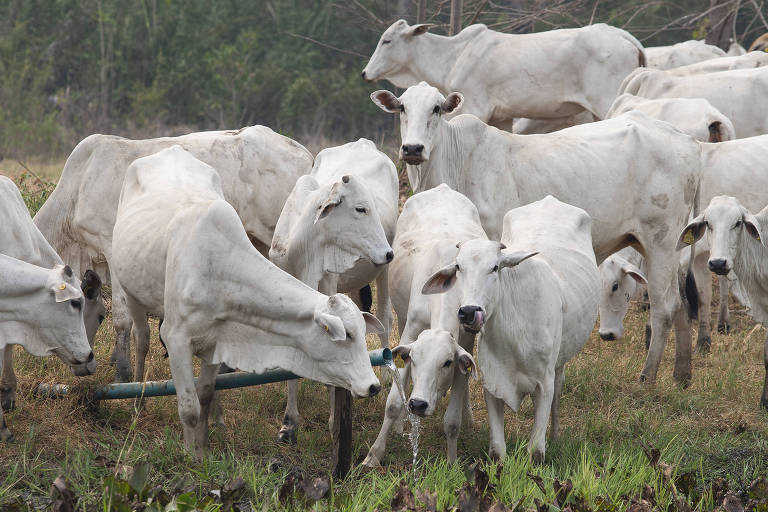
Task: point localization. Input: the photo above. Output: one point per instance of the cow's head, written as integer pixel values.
(421, 108)
(340, 354)
(54, 312)
(347, 221)
(480, 262)
(434, 357)
(619, 280)
(393, 56)
(728, 226)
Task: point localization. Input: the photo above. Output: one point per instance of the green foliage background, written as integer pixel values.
(143, 68)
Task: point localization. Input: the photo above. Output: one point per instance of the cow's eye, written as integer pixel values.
(737, 225)
(615, 287)
(360, 209)
(76, 303)
(495, 268)
(447, 364)
(386, 41)
(436, 110)
(458, 269)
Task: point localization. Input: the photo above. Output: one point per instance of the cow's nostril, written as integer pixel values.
(467, 313)
(718, 265)
(390, 256)
(363, 74)
(90, 357)
(374, 389)
(607, 336)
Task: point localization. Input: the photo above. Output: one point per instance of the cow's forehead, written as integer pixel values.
(723, 209)
(421, 94)
(473, 252)
(395, 28)
(431, 345)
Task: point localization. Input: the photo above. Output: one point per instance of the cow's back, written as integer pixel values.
(736, 168)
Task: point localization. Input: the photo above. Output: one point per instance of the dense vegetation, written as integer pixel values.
(150, 67)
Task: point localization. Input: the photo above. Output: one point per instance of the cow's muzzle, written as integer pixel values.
(608, 335)
(418, 407)
(472, 318)
(365, 77)
(413, 153)
(719, 266)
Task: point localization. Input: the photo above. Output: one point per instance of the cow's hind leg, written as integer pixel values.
(554, 431)
(180, 359)
(5, 434)
(764, 398)
(704, 285)
(141, 338)
(393, 413)
(206, 383)
(663, 292)
(8, 381)
(287, 433)
(498, 446)
(122, 323)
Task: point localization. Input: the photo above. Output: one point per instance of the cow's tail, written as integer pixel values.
(691, 293)
(641, 61)
(721, 130)
(366, 298)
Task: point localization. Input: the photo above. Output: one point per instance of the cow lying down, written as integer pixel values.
(180, 251)
(431, 224)
(532, 316)
(41, 309)
(20, 238)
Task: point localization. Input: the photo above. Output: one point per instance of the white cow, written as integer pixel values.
(180, 251)
(740, 94)
(258, 168)
(637, 196)
(334, 234)
(694, 116)
(746, 61)
(20, 239)
(733, 168)
(548, 75)
(431, 224)
(621, 280)
(526, 126)
(681, 54)
(41, 309)
(532, 319)
(736, 244)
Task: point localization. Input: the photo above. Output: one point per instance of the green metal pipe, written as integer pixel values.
(378, 357)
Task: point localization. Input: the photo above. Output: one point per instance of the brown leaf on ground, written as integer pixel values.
(562, 490)
(540, 507)
(719, 489)
(500, 507)
(758, 489)
(469, 498)
(287, 489)
(64, 500)
(652, 453)
(481, 479)
(639, 506)
(686, 482)
(538, 481)
(316, 488)
(732, 503)
(428, 499)
(403, 498)
(649, 494)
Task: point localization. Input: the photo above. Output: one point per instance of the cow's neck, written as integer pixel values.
(434, 57)
(305, 258)
(451, 147)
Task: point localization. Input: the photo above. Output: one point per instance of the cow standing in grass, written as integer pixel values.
(334, 234)
(180, 251)
(532, 316)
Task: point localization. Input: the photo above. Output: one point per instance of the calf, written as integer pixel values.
(180, 251)
(20, 238)
(334, 234)
(431, 224)
(736, 244)
(532, 319)
(621, 280)
(42, 310)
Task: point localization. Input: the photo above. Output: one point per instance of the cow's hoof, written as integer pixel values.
(123, 374)
(6, 436)
(724, 328)
(537, 457)
(371, 461)
(703, 345)
(287, 435)
(683, 378)
(644, 379)
(7, 400)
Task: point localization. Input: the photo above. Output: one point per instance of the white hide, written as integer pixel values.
(681, 54)
(693, 116)
(745, 61)
(431, 224)
(180, 251)
(550, 74)
(641, 194)
(740, 94)
(258, 168)
(735, 49)
(534, 299)
(525, 126)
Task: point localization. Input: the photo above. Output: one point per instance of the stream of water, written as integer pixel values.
(414, 420)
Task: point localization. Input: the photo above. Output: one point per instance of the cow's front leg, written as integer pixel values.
(206, 385)
(383, 307)
(454, 412)
(542, 404)
(683, 341)
(495, 406)
(393, 414)
(764, 398)
(554, 431)
(287, 433)
(8, 383)
(180, 359)
(704, 286)
(724, 316)
(121, 320)
(5, 434)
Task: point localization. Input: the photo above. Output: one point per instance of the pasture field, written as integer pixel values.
(711, 437)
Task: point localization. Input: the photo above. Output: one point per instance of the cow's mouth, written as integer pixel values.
(476, 324)
(413, 159)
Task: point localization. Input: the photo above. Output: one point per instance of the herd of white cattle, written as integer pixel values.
(242, 242)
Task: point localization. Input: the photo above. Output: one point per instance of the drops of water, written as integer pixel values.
(414, 420)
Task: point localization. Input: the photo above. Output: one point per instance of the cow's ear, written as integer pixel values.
(634, 272)
(692, 232)
(332, 201)
(91, 284)
(466, 362)
(441, 281)
(453, 102)
(386, 101)
(372, 324)
(514, 258)
(752, 226)
(421, 28)
(332, 325)
(402, 351)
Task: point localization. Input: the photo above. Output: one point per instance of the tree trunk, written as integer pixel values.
(456, 10)
(342, 433)
(720, 30)
(421, 12)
